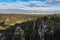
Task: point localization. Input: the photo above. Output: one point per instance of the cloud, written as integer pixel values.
(8, 6)
(53, 2)
(49, 6)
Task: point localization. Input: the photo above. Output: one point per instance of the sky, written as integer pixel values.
(30, 6)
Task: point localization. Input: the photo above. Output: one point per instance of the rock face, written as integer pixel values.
(18, 34)
(45, 30)
(2, 37)
(42, 28)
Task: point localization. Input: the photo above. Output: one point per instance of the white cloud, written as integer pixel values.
(53, 1)
(31, 7)
(18, 5)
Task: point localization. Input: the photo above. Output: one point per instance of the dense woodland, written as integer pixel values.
(44, 28)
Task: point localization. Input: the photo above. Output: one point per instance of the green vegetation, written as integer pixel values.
(32, 28)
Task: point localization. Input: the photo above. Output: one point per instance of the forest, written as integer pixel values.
(43, 28)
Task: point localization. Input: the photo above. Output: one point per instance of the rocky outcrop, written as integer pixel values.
(18, 34)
